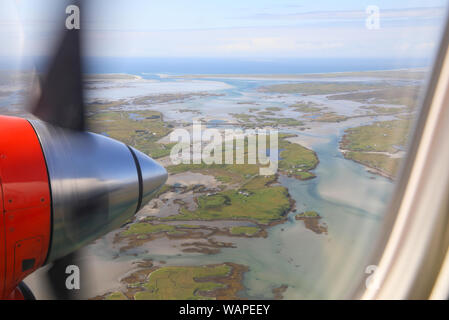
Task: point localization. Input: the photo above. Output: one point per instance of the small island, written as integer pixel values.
(312, 221)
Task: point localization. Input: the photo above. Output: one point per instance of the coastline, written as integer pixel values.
(212, 241)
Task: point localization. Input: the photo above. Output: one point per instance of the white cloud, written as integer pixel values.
(285, 42)
(351, 15)
(320, 40)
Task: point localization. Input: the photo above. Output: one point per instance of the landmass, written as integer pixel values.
(205, 209)
(141, 129)
(306, 107)
(320, 88)
(208, 282)
(312, 221)
(397, 95)
(378, 146)
(239, 194)
(265, 119)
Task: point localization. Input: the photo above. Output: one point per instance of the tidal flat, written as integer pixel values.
(223, 231)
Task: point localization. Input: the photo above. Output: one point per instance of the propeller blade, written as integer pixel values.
(61, 101)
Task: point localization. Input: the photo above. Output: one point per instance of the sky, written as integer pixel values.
(251, 29)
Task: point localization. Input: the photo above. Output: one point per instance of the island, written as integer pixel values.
(207, 282)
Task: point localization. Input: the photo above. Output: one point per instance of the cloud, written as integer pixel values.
(282, 42)
(355, 15)
(255, 39)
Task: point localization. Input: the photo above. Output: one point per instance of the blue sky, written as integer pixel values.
(254, 29)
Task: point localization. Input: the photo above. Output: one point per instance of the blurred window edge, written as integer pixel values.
(412, 254)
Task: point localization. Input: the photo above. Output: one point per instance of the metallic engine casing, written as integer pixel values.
(94, 182)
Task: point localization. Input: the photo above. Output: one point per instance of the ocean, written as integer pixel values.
(135, 65)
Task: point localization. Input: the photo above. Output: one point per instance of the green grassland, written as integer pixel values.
(362, 143)
(297, 160)
(307, 214)
(183, 283)
(266, 113)
(252, 199)
(377, 110)
(259, 182)
(208, 282)
(244, 117)
(265, 119)
(306, 107)
(312, 221)
(405, 96)
(144, 228)
(330, 117)
(248, 231)
(262, 206)
(142, 133)
(294, 159)
(278, 122)
(379, 137)
(223, 172)
(304, 175)
(320, 88)
(387, 165)
(314, 109)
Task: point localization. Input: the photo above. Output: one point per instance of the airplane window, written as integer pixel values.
(283, 126)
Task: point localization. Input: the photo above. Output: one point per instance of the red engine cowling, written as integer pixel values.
(25, 202)
(61, 189)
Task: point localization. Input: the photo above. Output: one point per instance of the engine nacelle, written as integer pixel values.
(60, 190)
